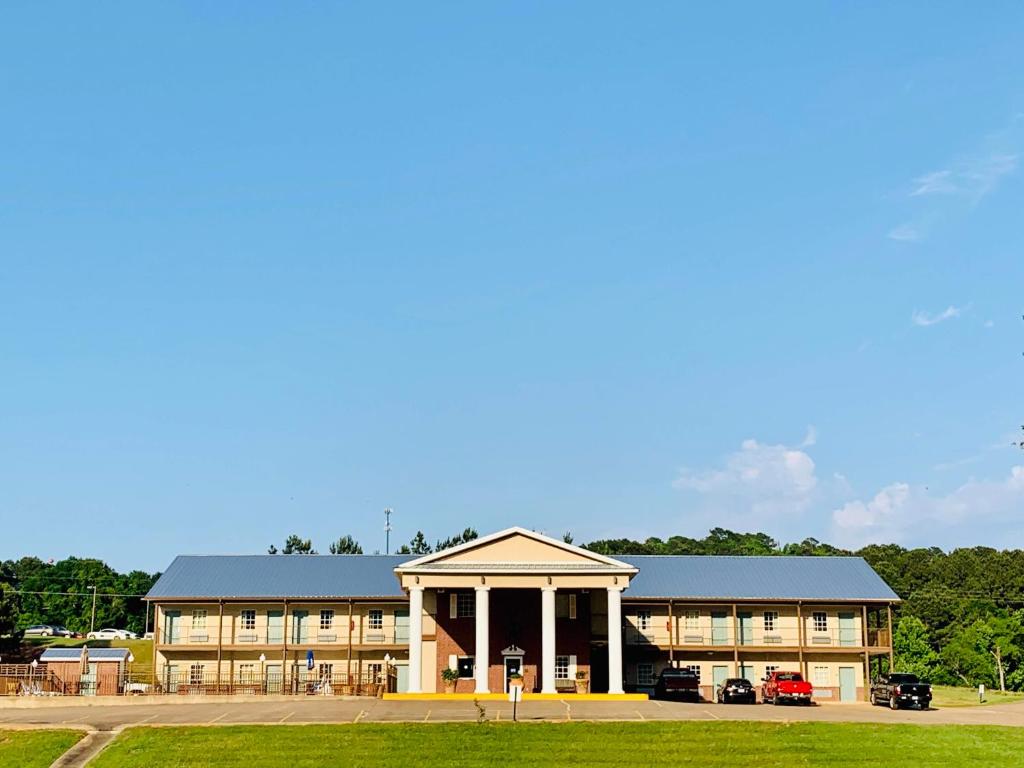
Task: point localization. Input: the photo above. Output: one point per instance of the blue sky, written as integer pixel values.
(619, 270)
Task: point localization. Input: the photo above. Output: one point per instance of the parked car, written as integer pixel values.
(60, 631)
(736, 689)
(677, 683)
(901, 689)
(780, 687)
(112, 634)
(39, 630)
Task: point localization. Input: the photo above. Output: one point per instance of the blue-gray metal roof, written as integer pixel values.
(713, 577)
(697, 577)
(74, 654)
(279, 576)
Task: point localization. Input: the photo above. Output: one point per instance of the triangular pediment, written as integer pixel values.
(516, 547)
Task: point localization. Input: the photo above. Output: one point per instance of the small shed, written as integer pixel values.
(99, 673)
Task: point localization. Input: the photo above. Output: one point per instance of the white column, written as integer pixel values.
(614, 640)
(415, 639)
(547, 639)
(483, 639)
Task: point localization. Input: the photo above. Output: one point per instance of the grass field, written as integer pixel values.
(34, 749)
(948, 696)
(570, 744)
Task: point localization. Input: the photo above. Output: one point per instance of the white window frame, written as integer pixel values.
(562, 664)
(771, 621)
(247, 619)
(195, 674)
(199, 616)
(822, 676)
(645, 673)
(375, 619)
(375, 671)
(463, 605)
(691, 619)
(325, 670)
(820, 621)
(644, 620)
(695, 668)
(326, 618)
(246, 671)
(769, 668)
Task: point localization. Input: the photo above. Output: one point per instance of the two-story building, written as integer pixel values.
(514, 601)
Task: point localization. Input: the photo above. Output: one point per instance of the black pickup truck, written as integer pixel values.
(901, 689)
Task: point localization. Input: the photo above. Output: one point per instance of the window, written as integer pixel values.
(195, 674)
(691, 619)
(326, 619)
(375, 672)
(695, 668)
(246, 671)
(375, 619)
(821, 676)
(325, 671)
(465, 606)
(465, 666)
(643, 620)
(771, 621)
(199, 618)
(565, 606)
(820, 619)
(561, 667)
(769, 668)
(645, 674)
(248, 619)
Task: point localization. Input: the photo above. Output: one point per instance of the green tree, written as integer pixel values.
(418, 545)
(453, 541)
(913, 649)
(10, 606)
(346, 545)
(294, 545)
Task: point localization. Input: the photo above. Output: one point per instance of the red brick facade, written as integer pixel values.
(515, 619)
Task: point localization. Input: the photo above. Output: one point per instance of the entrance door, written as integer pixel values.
(402, 682)
(402, 625)
(847, 684)
(847, 629)
(275, 677)
(719, 628)
(275, 627)
(746, 627)
(172, 626)
(299, 632)
(719, 674)
(747, 672)
(513, 666)
(599, 669)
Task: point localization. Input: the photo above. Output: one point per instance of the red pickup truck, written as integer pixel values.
(781, 687)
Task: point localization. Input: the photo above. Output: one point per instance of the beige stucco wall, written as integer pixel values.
(517, 548)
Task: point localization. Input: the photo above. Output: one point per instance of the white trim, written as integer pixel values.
(515, 530)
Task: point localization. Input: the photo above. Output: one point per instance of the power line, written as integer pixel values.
(77, 594)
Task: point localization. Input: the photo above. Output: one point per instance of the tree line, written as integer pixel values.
(961, 620)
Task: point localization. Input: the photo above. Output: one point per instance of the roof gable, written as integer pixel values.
(515, 546)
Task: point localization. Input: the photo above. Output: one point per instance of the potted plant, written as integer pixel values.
(582, 682)
(449, 677)
(515, 680)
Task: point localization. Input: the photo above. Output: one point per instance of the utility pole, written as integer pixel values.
(387, 531)
(92, 621)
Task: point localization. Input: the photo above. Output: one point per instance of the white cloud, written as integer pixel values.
(973, 177)
(810, 437)
(758, 483)
(906, 233)
(923, 319)
(900, 510)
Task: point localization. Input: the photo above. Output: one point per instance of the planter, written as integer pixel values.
(449, 687)
(582, 686)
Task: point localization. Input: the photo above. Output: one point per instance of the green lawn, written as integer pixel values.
(948, 696)
(570, 744)
(34, 749)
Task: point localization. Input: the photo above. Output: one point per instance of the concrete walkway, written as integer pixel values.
(85, 750)
(101, 717)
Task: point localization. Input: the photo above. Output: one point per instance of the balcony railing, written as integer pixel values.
(833, 637)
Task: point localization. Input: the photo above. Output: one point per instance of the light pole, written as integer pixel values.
(387, 530)
(387, 671)
(263, 674)
(92, 620)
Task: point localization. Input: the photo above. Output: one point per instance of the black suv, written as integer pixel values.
(901, 689)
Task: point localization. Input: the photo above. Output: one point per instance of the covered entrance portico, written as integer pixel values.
(514, 600)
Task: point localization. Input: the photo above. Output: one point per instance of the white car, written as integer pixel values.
(112, 634)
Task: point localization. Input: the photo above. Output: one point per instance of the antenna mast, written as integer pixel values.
(387, 531)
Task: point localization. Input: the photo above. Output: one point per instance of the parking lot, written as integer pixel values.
(291, 710)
